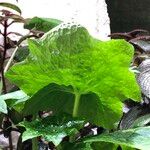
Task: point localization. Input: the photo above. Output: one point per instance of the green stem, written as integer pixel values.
(76, 104)
(34, 140)
(34, 144)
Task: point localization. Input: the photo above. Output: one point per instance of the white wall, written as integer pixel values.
(90, 13)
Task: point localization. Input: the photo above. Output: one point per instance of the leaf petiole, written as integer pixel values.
(76, 104)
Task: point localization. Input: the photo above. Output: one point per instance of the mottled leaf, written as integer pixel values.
(136, 138)
(69, 56)
(51, 128)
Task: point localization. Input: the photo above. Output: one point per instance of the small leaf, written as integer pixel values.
(52, 129)
(3, 107)
(16, 18)
(41, 24)
(15, 99)
(136, 138)
(12, 6)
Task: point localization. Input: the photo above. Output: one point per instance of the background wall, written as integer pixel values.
(126, 15)
(90, 13)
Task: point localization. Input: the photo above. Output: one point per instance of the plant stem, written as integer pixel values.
(4, 90)
(34, 140)
(34, 144)
(10, 142)
(3, 58)
(76, 104)
(10, 60)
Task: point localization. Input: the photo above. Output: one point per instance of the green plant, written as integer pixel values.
(70, 85)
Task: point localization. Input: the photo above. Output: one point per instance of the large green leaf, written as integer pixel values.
(136, 138)
(69, 56)
(51, 128)
(12, 6)
(41, 24)
(53, 97)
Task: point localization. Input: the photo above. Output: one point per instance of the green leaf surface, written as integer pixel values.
(67, 55)
(21, 54)
(136, 138)
(103, 146)
(15, 99)
(3, 107)
(127, 148)
(12, 6)
(41, 24)
(51, 128)
(75, 146)
(53, 97)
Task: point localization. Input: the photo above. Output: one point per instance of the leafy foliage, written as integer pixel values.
(69, 56)
(10, 5)
(136, 138)
(51, 128)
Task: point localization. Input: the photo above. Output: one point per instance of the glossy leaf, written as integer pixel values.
(10, 5)
(51, 128)
(15, 99)
(69, 56)
(136, 138)
(41, 24)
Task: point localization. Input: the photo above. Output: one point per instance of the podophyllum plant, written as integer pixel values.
(81, 82)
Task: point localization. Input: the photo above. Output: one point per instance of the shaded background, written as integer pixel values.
(126, 15)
